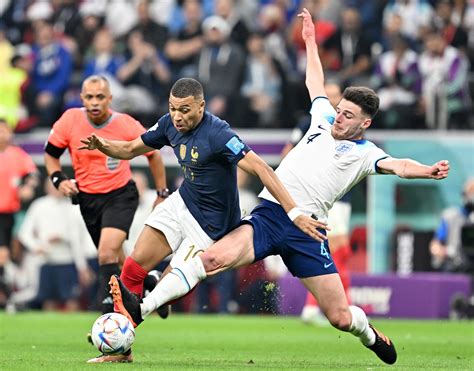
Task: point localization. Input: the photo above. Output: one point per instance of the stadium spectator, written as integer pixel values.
(52, 229)
(415, 16)
(336, 140)
(371, 16)
(103, 187)
(445, 90)
(220, 60)
(227, 9)
(348, 50)
(14, 69)
(206, 204)
(153, 33)
(14, 19)
(325, 29)
(18, 180)
(52, 68)
(183, 48)
(91, 21)
(397, 81)
(271, 21)
(123, 10)
(103, 61)
(454, 34)
(146, 76)
(262, 86)
(446, 246)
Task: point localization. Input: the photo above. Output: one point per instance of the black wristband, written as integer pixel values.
(163, 193)
(57, 177)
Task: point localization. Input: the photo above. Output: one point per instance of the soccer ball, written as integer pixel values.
(113, 333)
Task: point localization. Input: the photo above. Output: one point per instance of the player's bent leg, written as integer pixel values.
(150, 249)
(233, 251)
(329, 292)
(149, 283)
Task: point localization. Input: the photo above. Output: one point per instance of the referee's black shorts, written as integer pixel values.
(115, 209)
(7, 221)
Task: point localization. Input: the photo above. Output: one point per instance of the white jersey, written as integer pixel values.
(321, 169)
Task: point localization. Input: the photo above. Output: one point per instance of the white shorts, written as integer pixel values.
(339, 217)
(183, 232)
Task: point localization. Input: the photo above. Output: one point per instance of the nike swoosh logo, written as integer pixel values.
(327, 265)
(321, 127)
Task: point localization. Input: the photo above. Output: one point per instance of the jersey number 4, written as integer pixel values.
(312, 137)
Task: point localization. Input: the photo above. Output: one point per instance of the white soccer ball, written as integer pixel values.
(113, 333)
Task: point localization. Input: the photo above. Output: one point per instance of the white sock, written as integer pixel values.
(178, 282)
(360, 326)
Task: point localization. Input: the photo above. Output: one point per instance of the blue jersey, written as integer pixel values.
(208, 156)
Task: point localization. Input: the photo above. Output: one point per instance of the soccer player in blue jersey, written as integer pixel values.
(331, 157)
(206, 207)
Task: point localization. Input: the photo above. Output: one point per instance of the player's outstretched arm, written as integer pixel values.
(253, 164)
(122, 150)
(411, 169)
(314, 69)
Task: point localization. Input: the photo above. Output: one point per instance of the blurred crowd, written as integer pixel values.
(249, 55)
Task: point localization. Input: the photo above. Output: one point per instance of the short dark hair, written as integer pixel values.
(96, 78)
(364, 97)
(187, 87)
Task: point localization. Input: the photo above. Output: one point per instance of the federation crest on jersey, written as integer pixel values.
(194, 154)
(342, 148)
(182, 151)
(112, 163)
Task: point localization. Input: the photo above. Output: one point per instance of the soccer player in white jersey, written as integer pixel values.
(326, 163)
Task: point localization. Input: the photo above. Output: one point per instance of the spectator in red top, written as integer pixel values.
(18, 181)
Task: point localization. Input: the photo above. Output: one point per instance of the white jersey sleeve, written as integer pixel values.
(322, 113)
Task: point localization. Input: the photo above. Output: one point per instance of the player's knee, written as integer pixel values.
(340, 319)
(211, 262)
(107, 256)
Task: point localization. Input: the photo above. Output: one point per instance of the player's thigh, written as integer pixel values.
(195, 239)
(328, 291)
(165, 218)
(232, 251)
(151, 248)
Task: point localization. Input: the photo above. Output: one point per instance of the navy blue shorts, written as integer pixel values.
(58, 282)
(275, 234)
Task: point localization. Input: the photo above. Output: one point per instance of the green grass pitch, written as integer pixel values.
(57, 341)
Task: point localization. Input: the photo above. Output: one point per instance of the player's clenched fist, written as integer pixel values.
(440, 170)
(92, 142)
